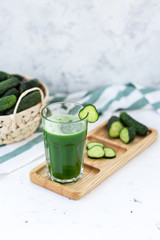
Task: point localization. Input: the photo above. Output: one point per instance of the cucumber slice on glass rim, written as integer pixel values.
(90, 113)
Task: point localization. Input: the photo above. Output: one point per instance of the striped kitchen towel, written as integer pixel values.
(109, 98)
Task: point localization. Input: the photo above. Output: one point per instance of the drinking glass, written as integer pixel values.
(64, 141)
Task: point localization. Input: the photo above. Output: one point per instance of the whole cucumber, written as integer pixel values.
(128, 121)
(18, 76)
(28, 84)
(7, 102)
(12, 91)
(7, 84)
(29, 100)
(3, 76)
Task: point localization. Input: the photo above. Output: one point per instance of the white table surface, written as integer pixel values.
(124, 206)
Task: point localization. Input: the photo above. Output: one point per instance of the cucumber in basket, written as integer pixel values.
(7, 84)
(3, 76)
(114, 127)
(128, 121)
(30, 100)
(7, 102)
(28, 84)
(18, 76)
(12, 91)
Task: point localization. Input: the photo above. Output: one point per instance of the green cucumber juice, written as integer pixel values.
(64, 140)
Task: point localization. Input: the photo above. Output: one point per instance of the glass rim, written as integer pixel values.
(79, 120)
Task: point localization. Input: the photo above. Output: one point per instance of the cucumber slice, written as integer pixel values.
(114, 127)
(90, 113)
(96, 152)
(140, 129)
(91, 144)
(109, 152)
(127, 135)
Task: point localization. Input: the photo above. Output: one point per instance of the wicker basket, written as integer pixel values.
(18, 126)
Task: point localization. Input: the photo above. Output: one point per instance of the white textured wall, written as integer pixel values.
(81, 44)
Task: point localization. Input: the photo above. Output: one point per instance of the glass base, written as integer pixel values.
(72, 180)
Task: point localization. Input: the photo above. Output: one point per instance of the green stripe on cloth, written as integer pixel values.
(156, 105)
(21, 149)
(95, 95)
(147, 90)
(128, 90)
(139, 104)
(88, 93)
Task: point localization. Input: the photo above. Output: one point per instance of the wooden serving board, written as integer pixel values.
(95, 171)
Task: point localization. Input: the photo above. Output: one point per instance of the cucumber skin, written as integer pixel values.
(3, 76)
(7, 84)
(7, 102)
(95, 157)
(28, 84)
(131, 132)
(12, 91)
(109, 157)
(128, 121)
(28, 101)
(20, 78)
(9, 111)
